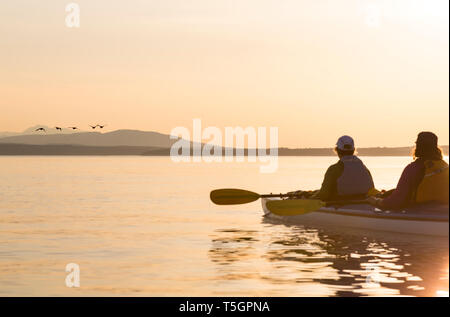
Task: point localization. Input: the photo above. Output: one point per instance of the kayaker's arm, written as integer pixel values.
(329, 184)
(371, 178)
(403, 194)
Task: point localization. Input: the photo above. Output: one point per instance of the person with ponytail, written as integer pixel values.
(424, 180)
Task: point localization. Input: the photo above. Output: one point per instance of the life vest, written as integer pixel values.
(434, 185)
(355, 179)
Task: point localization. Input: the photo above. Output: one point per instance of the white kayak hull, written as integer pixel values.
(367, 219)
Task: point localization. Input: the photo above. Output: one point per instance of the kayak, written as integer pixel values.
(429, 219)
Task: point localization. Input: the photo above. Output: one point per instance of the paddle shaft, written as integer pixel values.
(274, 195)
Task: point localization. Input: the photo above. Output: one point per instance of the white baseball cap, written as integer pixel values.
(345, 143)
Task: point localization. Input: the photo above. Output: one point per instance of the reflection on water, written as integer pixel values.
(333, 262)
(234, 245)
(145, 226)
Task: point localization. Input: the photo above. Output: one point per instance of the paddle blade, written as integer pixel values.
(230, 196)
(293, 207)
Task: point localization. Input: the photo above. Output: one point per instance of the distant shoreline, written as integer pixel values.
(84, 150)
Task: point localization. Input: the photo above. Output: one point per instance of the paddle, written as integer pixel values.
(232, 196)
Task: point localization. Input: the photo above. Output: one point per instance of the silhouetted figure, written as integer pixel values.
(101, 126)
(58, 128)
(93, 126)
(348, 179)
(73, 128)
(425, 180)
(40, 129)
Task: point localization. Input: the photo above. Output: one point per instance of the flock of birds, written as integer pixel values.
(73, 128)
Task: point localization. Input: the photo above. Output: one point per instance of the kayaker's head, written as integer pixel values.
(345, 146)
(427, 146)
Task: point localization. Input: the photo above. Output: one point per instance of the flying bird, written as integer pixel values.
(58, 128)
(101, 126)
(73, 128)
(40, 129)
(93, 126)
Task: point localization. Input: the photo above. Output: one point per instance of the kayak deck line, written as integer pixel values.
(412, 221)
(382, 215)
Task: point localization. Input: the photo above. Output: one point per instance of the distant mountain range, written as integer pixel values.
(134, 142)
(114, 138)
(32, 130)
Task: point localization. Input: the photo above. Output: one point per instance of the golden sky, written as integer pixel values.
(316, 69)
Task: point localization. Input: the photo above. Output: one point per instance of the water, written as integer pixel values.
(144, 226)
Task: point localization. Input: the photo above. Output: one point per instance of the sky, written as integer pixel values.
(316, 69)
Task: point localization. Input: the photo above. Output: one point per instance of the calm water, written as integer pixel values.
(144, 226)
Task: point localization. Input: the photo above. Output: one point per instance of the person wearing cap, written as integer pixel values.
(422, 181)
(349, 178)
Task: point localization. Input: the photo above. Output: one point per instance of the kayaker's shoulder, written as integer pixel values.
(416, 165)
(334, 171)
(338, 164)
(336, 168)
